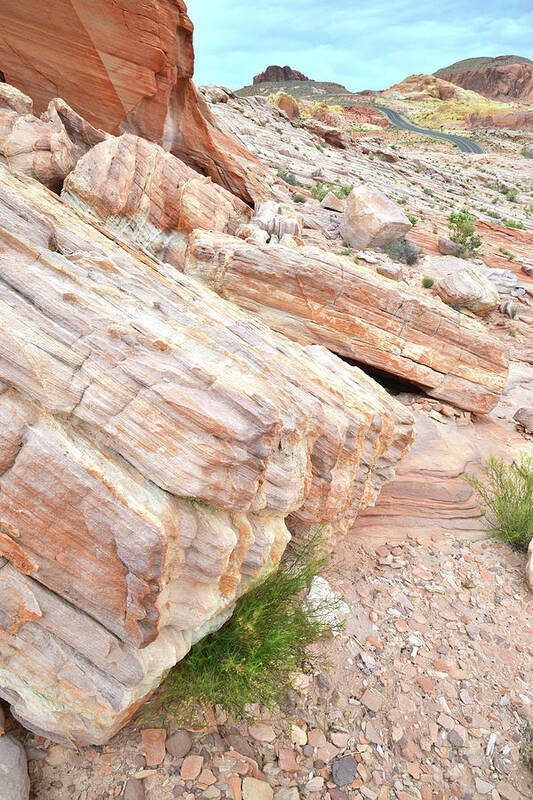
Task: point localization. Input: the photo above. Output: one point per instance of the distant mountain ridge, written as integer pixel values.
(470, 64)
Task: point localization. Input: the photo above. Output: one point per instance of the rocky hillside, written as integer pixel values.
(505, 78)
(275, 74)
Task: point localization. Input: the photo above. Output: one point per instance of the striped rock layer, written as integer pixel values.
(156, 445)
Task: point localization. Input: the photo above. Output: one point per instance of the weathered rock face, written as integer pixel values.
(318, 297)
(159, 441)
(520, 120)
(275, 74)
(468, 288)
(500, 82)
(370, 219)
(124, 67)
(146, 195)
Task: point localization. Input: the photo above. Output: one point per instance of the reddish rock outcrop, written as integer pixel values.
(519, 120)
(125, 67)
(155, 439)
(505, 83)
(275, 74)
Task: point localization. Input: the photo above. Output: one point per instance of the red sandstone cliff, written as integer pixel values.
(504, 83)
(124, 65)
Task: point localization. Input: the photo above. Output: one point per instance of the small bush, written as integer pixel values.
(506, 495)
(427, 282)
(299, 198)
(412, 219)
(252, 658)
(288, 177)
(526, 153)
(403, 251)
(462, 227)
(511, 223)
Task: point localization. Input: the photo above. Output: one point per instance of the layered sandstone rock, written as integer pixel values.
(155, 440)
(370, 219)
(275, 74)
(149, 196)
(125, 67)
(318, 297)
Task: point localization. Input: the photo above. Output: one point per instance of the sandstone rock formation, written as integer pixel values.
(499, 81)
(318, 297)
(124, 67)
(146, 195)
(370, 219)
(468, 288)
(158, 440)
(275, 74)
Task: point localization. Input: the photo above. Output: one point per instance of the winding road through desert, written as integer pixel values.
(465, 145)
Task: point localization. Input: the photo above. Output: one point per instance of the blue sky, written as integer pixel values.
(362, 44)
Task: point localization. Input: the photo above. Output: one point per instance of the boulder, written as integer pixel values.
(370, 219)
(14, 779)
(333, 203)
(146, 195)
(524, 417)
(317, 297)
(448, 247)
(161, 442)
(468, 289)
(125, 67)
(333, 135)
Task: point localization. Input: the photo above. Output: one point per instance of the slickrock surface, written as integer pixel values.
(156, 438)
(318, 297)
(124, 66)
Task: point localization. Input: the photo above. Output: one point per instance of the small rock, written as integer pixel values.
(179, 743)
(154, 745)
(57, 755)
(134, 790)
(483, 787)
(372, 699)
(524, 417)
(191, 767)
(455, 739)
(344, 770)
(316, 738)
(287, 760)
(287, 794)
(298, 735)
(392, 271)
(336, 794)
(14, 779)
(426, 684)
(252, 789)
(448, 247)
(316, 784)
(340, 740)
(262, 733)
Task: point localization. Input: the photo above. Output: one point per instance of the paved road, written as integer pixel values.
(465, 145)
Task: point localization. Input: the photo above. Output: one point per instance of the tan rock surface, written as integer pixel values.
(156, 439)
(318, 297)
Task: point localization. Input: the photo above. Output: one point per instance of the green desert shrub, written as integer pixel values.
(254, 656)
(403, 251)
(427, 282)
(288, 177)
(299, 198)
(506, 496)
(512, 223)
(462, 226)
